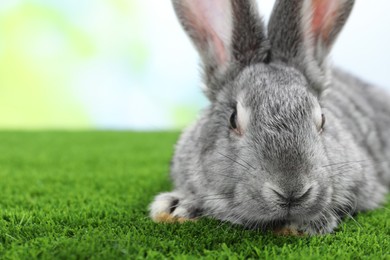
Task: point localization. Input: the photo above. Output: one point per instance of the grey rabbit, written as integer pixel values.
(288, 142)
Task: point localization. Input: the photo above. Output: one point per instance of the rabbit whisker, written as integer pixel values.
(233, 160)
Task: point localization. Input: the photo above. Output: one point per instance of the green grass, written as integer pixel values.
(78, 195)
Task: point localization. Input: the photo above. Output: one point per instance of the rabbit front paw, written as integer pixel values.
(171, 207)
(322, 226)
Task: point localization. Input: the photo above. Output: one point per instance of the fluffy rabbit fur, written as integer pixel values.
(262, 154)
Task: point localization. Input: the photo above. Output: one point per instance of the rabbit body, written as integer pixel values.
(286, 141)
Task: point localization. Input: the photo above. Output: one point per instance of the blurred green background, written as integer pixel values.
(88, 64)
(126, 64)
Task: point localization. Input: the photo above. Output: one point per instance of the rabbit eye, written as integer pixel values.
(233, 120)
(239, 119)
(322, 123)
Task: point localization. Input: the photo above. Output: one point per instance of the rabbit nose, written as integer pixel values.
(292, 199)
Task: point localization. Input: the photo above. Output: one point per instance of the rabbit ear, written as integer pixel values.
(226, 33)
(302, 33)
